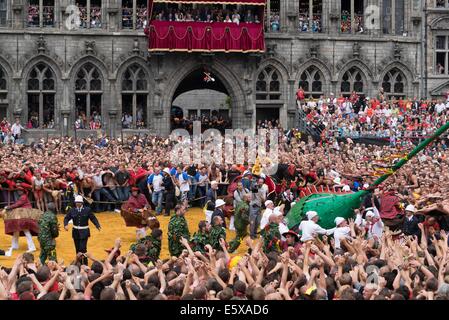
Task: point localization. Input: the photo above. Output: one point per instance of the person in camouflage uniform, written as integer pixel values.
(217, 232)
(201, 237)
(48, 232)
(152, 245)
(241, 222)
(177, 228)
(271, 236)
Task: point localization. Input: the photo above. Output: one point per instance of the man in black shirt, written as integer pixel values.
(191, 172)
(169, 191)
(80, 216)
(122, 177)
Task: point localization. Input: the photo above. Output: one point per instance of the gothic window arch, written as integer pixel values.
(352, 80)
(88, 97)
(41, 91)
(394, 82)
(3, 93)
(134, 88)
(311, 81)
(268, 84)
(3, 84)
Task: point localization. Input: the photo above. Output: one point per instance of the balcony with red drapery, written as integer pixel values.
(211, 36)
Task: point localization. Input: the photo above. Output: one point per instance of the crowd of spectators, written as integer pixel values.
(141, 17)
(95, 17)
(305, 25)
(359, 259)
(346, 21)
(207, 14)
(207, 122)
(356, 116)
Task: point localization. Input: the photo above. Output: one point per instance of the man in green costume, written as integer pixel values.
(241, 222)
(177, 228)
(201, 237)
(216, 233)
(271, 236)
(152, 243)
(48, 232)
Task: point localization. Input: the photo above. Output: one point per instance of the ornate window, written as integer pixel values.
(268, 85)
(352, 81)
(134, 98)
(41, 90)
(351, 16)
(134, 14)
(3, 84)
(442, 3)
(41, 13)
(90, 13)
(394, 83)
(310, 14)
(393, 15)
(441, 54)
(88, 97)
(3, 12)
(311, 82)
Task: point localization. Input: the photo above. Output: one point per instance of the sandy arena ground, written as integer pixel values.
(113, 227)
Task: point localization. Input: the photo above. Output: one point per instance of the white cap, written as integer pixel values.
(370, 214)
(410, 208)
(346, 188)
(366, 186)
(337, 180)
(79, 199)
(167, 170)
(268, 202)
(311, 214)
(339, 220)
(219, 203)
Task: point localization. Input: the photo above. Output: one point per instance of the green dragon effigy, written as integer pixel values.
(330, 205)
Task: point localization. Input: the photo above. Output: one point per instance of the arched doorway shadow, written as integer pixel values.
(202, 80)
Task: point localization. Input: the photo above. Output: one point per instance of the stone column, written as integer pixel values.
(292, 15)
(18, 103)
(65, 121)
(283, 16)
(18, 7)
(112, 123)
(291, 103)
(112, 11)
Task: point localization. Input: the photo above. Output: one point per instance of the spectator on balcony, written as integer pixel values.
(127, 120)
(249, 17)
(236, 17)
(275, 23)
(228, 19)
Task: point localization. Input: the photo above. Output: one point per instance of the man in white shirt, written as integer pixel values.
(155, 187)
(310, 229)
(269, 205)
(440, 107)
(372, 223)
(16, 129)
(342, 231)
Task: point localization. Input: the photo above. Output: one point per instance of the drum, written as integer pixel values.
(139, 219)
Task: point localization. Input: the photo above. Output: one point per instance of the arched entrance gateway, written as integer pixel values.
(201, 96)
(207, 91)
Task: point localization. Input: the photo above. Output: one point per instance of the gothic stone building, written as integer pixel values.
(50, 74)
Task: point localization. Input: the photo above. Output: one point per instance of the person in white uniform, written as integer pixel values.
(310, 228)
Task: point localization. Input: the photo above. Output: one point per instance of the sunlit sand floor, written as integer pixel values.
(113, 226)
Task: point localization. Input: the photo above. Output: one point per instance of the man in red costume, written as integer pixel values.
(21, 222)
(136, 204)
